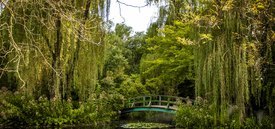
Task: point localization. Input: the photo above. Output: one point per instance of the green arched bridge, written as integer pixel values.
(159, 103)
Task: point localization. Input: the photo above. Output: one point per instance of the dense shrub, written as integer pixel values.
(201, 116)
(20, 109)
(193, 116)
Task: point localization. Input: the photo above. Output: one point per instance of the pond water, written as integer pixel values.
(146, 125)
(147, 120)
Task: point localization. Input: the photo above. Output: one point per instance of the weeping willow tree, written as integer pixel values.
(52, 48)
(228, 59)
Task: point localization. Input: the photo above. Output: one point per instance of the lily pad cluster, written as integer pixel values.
(144, 125)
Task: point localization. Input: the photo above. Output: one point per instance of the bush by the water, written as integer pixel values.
(193, 116)
(201, 116)
(21, 109)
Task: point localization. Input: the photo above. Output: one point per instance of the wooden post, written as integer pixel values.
(144, 101)
(133, 103)
(168, 103)
(129, 103)
(159, 100)
(149, 105)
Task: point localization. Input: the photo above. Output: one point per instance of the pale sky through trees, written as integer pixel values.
(138, 18)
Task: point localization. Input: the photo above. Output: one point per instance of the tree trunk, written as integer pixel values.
(72, 62)
(56, 75)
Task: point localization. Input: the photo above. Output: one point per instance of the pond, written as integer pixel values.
(146, 125)
(147, 120)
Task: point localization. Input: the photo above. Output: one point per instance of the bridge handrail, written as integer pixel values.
(169, 96)
(150, 100)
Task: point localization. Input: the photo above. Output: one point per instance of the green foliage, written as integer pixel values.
(65, 69)
(123, 31)
(123, 51)
(44, 45)
(250, 123)
(122, 59)
(194, 116)
(228, 56)
(19, 109)
(268, 122)
(201, 116)
(135, 50)
(132, 87)
(168, 59)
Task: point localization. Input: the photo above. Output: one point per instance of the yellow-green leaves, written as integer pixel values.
(206, 37)
(184, 41)
(169, 58)
(228, 5)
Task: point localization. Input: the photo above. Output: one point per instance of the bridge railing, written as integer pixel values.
(170, 102)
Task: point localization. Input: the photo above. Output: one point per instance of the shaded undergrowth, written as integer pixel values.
(21, 110)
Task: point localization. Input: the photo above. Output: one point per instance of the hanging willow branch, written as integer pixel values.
(38, 38)
(135, 6)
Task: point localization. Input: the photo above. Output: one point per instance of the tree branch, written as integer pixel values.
(142, 6)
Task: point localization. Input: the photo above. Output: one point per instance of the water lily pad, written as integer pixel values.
(144, 125)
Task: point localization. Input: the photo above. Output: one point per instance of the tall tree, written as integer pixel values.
(168, 59)
(228, 59)
(43, 40)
